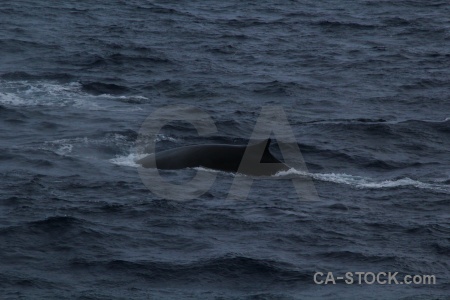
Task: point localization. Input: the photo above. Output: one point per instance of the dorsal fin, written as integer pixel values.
(266, 149)
(267, 155)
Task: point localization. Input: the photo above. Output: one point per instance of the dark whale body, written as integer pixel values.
(220, 157)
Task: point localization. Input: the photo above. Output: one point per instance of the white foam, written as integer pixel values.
(47, 93)
(162, 137)
(24, 93)
(127, 160)
(64, 149)
(11, 99)
(133, 99)
(362, 182)
(202, 169)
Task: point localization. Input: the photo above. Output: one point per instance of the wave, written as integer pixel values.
(49, 225)
(99, 88)
(369, 121)
(434, 125)
(362, 161)
(109, 143)
(127, 160)
(56, 222)
(277, 87)
(367, 183)
(14, 45)
(246, 22)
(347, 121)
(425, 84)
(42, 76)
(158, 9)
(345, 25)
(228, 267)
(143, 58)
(87, 95)
(42, 93)
(181, 89)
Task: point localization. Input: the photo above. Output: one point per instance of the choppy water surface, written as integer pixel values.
(365, 85)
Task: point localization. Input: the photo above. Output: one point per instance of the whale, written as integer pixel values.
(259, 161)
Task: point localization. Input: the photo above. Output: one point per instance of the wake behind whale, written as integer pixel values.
(258, 161)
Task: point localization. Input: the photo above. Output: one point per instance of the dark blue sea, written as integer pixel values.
(365, 86)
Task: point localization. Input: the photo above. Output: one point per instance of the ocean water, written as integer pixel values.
(365, 86)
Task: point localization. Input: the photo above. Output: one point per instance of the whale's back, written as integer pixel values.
(221, 157)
